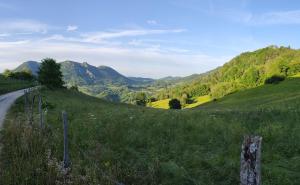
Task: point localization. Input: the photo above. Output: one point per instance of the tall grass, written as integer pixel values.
(112, 143)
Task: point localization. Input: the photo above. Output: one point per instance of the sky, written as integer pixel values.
(144, 38)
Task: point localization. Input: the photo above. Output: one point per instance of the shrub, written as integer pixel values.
(174, 104)
(275, 79)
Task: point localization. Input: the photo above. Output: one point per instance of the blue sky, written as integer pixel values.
(148, 38)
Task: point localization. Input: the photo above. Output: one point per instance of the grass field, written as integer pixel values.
(8, 85)
(137, 145)
(164, 104)
(199, 101)
(160, 104)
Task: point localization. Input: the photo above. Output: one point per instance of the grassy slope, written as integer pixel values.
(199, 101)
(164, 104)
(137, 145)
(160, 104)
(283, 96)
(8, 85)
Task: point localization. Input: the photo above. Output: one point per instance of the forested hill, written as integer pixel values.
(248, 70)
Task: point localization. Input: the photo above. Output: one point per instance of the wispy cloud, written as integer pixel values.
(100, 36)
(152, 22)
(72, 28)
(16, 26)
(4, 34)
(282, 17)
(267, 18)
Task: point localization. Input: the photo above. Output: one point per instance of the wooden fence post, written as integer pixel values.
(31, 110)
(66, 148)
(41, 112)
(250, 173)
(25, 101)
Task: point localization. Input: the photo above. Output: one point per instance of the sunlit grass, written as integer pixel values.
(199, 101)
(160, 104)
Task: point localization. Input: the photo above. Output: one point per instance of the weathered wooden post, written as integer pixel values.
(31, 110)
(25, 101)
(66, 148)
(41, 112)
(250, 173)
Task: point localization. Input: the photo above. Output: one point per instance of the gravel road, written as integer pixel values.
(6, 102)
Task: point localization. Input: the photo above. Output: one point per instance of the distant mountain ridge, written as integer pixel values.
(85, 74)
(31, 66)
(102, 81)
(76, 73)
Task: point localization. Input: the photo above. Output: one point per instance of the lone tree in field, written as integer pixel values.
(174, 104)
(50, 74)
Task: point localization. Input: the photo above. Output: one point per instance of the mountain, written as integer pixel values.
(247, 70)
(31, 66)
(85, 74)
(103, 81)
(141, 80)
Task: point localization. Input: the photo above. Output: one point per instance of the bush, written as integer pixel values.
(174, 104)
(275, 79)
(23, 75)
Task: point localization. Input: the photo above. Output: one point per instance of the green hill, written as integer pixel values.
(30, 66)
(282, 96)
(112, 142)
(248, 70)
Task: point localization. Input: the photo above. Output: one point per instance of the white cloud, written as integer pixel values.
(23, 26)
(148, 62)
(152, 22)
(72, 28)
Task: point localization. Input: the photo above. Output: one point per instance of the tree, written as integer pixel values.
(174, 104)
(50, 74)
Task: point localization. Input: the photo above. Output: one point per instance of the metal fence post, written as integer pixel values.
(250, 173)
(66, 148)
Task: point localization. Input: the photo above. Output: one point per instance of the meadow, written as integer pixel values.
(8, 85)
(111, 142)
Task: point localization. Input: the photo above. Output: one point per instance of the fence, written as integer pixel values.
(250, 170)
(30, 97)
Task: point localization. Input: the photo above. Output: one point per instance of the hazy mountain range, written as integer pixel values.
(247, 70)
(104, 81)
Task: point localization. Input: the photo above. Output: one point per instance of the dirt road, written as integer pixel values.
(6, 102)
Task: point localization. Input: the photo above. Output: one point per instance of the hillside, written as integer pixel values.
(245, 71)
(285, 95)
(30, 66)
(112, 142)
